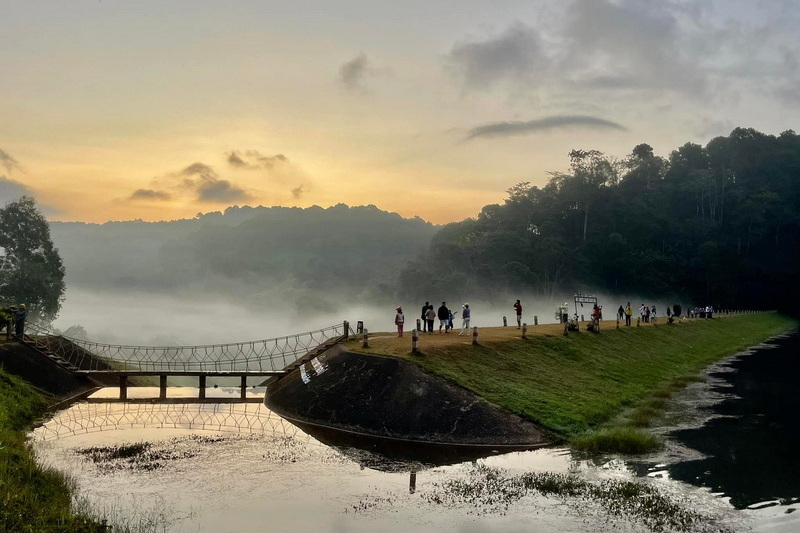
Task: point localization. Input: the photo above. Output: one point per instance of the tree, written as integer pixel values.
(31, 270)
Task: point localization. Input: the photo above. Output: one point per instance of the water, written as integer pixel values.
(731, 457)
(737, 435)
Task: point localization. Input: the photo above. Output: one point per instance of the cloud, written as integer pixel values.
(253, 159)
(297, 192)
(220, 191)
(353, 73)
(150, 194)
(9, 162)
(514, 128)
(197, 180)
(11, 190)
(624, 45)
(516, 55)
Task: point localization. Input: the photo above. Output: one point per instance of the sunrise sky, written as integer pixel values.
(117, 110)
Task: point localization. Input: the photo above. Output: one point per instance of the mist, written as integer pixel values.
(147, 318)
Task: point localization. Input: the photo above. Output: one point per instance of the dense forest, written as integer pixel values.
(718, 225)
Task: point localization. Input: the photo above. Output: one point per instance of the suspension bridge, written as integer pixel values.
(260, 358)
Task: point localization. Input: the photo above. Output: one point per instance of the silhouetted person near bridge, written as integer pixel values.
(20, 314)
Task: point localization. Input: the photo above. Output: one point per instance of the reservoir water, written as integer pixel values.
(730, 465)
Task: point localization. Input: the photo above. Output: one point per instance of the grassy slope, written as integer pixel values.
(32, 499)
(574, 384)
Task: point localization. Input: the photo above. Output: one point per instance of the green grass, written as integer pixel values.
(32, 499)
(615, 381)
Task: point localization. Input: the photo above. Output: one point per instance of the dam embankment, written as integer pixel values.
(546, 384)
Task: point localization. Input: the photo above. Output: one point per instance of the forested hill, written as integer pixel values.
(718, 224)
(246, 251)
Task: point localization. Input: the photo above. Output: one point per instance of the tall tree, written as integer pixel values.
(31, 270)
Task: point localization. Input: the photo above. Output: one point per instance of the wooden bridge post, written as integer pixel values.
(123, 387)
(202, 386)
(243, 392)
(346, 330)
(162, 387)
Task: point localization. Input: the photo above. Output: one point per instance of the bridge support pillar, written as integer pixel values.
(162, 387)
(123, 387)
(202, 386)
(243, 392)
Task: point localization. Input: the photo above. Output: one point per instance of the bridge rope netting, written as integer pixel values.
(85, 418)
(256, 356)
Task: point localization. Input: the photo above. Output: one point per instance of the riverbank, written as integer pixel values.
(593, 390)
(32, 499)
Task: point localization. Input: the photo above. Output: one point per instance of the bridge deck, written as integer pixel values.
(208, 373)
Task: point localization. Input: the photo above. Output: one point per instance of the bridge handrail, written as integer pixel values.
(254, 354)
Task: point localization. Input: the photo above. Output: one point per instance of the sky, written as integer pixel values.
(158, 110)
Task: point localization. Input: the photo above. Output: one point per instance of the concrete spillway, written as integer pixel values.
(387, 397)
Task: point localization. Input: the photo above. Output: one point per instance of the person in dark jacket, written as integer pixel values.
(444, 318)
(20, 314)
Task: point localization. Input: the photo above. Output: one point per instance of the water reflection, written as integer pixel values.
(268, 470)
(745, 446)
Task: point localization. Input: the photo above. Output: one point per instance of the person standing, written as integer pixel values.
(518, 309)
(424, 310)
(620, 312)
(444, 316)
(628, 314)
(20, 314)
(465, 316)
(430, 316)
(399, 320)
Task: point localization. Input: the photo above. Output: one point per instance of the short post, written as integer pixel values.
(582, 319)
(524, 330)
(419, 324)
(637, 322)
(346, 327)
(617, 322)
(123, 386)
(505, 322)
(162, 386)
(475, 335)
(359, 327)
(243, 391)
(365, 339)
(202, 386)
(535, 320)
(414, 340)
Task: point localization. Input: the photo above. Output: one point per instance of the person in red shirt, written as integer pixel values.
(518, 309)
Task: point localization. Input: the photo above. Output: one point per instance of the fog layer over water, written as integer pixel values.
(192, 318)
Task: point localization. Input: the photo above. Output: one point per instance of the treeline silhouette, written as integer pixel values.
(717, 224)
(247, 252)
